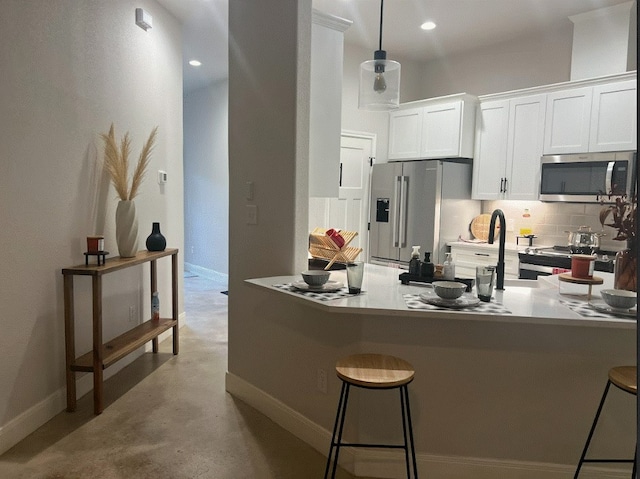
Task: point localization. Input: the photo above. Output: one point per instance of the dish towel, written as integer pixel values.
(320, 296)
(583, 309)
(413, 301)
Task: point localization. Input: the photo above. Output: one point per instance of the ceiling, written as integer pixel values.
(462, 25)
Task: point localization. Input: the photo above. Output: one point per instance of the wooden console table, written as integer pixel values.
(104, 355)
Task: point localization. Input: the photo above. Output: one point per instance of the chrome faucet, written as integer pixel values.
(503, 234)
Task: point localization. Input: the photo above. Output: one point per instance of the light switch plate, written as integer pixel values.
(252, 214)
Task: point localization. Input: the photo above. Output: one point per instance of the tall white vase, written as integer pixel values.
(126, 229)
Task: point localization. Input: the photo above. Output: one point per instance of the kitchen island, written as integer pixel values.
(497, 394)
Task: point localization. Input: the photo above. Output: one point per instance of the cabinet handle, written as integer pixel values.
(501, 184)
(482, 254)
(505, 185)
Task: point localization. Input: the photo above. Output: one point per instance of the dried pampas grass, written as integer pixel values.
(116, 162)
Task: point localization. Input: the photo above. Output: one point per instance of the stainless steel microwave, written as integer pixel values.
(585, 178)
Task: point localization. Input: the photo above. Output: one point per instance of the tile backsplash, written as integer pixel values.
(550, 221)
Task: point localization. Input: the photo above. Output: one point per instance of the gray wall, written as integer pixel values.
(206, 177)
(522, 63)
(69, 69)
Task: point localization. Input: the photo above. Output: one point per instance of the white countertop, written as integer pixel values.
(533, 302)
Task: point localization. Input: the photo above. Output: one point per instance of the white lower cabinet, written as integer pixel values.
(468, 255)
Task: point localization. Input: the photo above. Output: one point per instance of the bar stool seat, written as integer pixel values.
(373, 371)
(625, 379)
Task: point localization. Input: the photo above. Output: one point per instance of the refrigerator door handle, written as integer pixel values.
(404, 192)
(396, 209)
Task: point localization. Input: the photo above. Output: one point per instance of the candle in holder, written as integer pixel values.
(95, 244)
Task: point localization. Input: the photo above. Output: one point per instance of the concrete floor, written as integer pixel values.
(168, 417)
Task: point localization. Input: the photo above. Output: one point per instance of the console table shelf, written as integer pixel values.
(103, 355)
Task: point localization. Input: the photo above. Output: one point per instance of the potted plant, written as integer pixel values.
(623, 213)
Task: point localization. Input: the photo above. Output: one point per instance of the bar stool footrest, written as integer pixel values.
(386, 446)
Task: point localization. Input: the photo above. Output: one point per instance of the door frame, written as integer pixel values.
(364, 135)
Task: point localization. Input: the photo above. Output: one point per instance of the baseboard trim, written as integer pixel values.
(206, 273)
(30, 420)
(390, 464)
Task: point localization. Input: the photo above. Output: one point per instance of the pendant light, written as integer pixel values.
(379, 80)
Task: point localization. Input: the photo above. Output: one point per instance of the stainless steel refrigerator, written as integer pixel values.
(424, 203)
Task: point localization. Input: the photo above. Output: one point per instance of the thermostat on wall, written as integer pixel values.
(162, 177)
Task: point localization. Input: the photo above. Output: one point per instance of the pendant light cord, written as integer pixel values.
(381, 7)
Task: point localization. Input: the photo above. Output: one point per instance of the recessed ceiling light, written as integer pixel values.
(194, 63)
(428, 25)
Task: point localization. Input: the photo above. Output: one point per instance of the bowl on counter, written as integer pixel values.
(449, 289)
(619, 298)
(315, 278)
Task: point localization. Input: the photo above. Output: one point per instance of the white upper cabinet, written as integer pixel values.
(524, 147)
(436, 128)
(592, 119)
(567, 126)
(405, 133)
(441, 135)
(613, 117)
(509, 141)
(490, 159)
(325, 107)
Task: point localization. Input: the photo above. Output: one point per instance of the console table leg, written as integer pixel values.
(154, 287)
(69, 340)
(174, 301)
(97, 345)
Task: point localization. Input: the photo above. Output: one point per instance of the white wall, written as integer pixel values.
(269, 146)
(69, 69)
(206, 177)
(520, 63)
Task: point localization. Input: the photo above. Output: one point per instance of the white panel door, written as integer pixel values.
(350, 211)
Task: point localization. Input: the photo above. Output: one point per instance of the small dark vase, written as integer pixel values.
(155, 241)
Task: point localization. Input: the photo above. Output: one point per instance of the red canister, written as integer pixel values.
(582, 266)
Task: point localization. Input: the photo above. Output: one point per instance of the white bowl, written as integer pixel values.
(449, 289)
(619, 298)
(316, 278)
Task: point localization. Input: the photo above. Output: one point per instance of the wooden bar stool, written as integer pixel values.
(624, 378)
(373, 371)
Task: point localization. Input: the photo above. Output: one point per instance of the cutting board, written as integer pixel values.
(480, 227)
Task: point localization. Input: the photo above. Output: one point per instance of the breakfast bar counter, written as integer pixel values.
(506, 389)
(542, 301)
